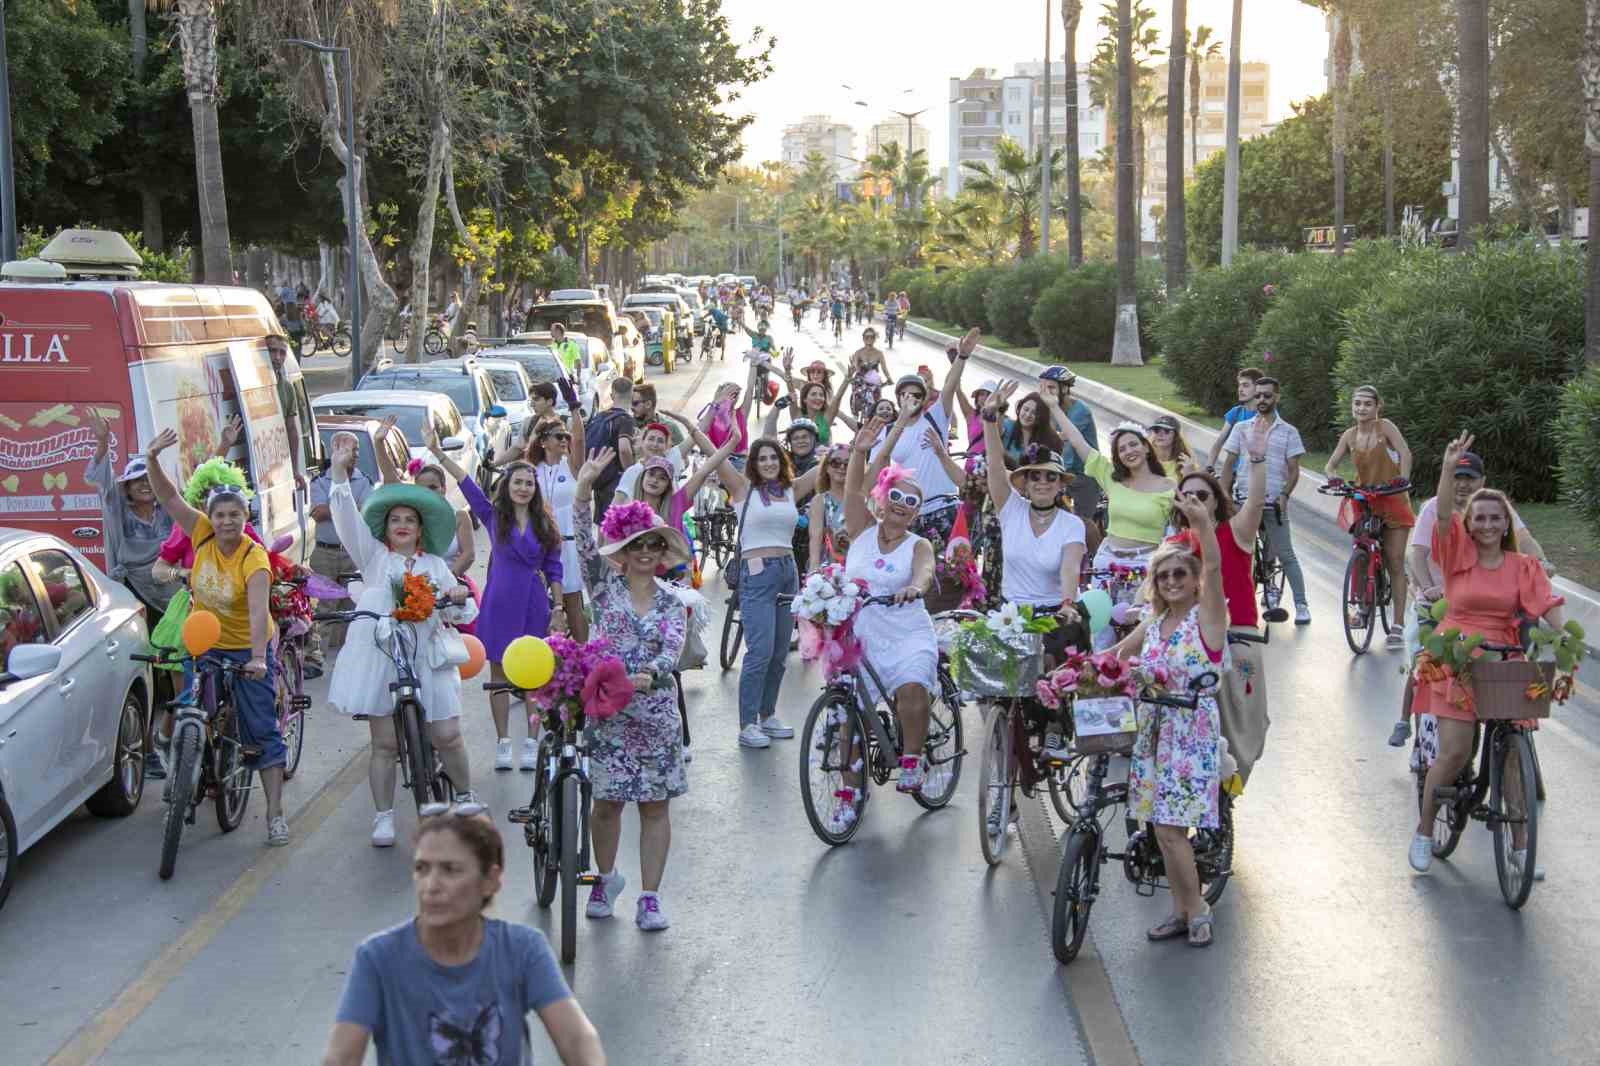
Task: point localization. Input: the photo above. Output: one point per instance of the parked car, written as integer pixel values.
(682, 315)
(697, 308)
(73, 702)
(469, 387)
(538, 363)
(413, 409)
(369, 445)
(574, 294)
(595, 370)
(597, 319)
(511, 384)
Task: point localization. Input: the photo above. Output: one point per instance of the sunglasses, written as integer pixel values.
(460, 810)
(1266, 396)
(654, 545)
(1043, 475)
(563, 437)
(1159, 429)
(840, 463)
(905, 499)
(1171, 577)
(1200, 495)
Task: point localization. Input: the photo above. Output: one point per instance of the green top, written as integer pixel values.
(566, 350)
(1132, 515)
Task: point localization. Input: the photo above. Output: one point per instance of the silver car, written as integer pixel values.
(73, 702)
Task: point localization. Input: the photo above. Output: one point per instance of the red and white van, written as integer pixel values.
(148, 356)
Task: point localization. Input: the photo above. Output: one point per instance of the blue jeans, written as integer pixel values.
(767, 626)
(253, 702)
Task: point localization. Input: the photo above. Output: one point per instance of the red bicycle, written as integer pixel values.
(1367, 595)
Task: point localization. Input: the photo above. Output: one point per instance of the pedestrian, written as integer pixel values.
(327, 314)
(541, 408)
(1246, 382)
(1284, 449)
(329, 558)
(566, 350)
(401, 531)
(613, 429)
(637, 754)
(828, 540)
(1166, 437)
(557, 455)
(525, 579)
(450, 985)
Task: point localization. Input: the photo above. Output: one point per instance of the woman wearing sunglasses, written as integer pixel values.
(556, 453)
(1174, 776)
(829, 540)
(637, 754)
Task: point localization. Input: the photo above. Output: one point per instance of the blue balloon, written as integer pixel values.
(1098, 603)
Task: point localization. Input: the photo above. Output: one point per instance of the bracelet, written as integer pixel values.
(1253, 459)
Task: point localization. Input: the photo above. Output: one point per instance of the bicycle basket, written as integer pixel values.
(984, 666)
(1104, 725)
(1500, 689)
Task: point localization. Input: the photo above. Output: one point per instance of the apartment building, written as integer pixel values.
(820, 133)
(892, 130)
(1255, 84)
(990, 106)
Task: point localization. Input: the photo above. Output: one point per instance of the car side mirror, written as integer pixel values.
(32, 660)
(619, 331)
(497, 411)
(453, 444)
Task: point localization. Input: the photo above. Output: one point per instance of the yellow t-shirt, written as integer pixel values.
(217, 583)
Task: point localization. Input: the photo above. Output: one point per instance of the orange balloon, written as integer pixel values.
(476, 653)
(201, 631)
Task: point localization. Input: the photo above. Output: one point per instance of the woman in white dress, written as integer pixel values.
(415, 527)
(556, 453)
(898, 640)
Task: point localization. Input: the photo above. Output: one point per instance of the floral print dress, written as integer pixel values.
(1175, 772)
(636, 755)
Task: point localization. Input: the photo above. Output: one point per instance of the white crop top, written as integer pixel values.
(769, 523)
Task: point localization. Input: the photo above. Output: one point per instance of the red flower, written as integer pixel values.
(607, 689)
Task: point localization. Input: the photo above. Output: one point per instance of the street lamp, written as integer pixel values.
(352, 202)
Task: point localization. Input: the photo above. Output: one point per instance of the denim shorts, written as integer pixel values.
(257, 710)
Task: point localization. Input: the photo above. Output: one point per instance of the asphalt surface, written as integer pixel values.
(899, 947)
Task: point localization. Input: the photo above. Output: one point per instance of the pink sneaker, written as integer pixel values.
(912, 771)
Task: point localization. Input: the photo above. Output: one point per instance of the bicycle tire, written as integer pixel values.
(1358, 595)
(945, 749)
(411, 752)
(1069, 787)
(569, 868)
(732, 635)
(185, 760)
(340, 341)
(1075, 892)
(433, 342)
(231, 776)
(1217, 859)
(994, 784)
(817, 782)
(291, 722)
(546, 866)
(1515, 884)
(397, 343)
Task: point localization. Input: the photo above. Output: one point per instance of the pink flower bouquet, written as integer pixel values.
(588, 680)
(826, 608)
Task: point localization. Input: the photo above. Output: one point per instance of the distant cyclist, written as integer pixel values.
(837, 310)
(891, 318)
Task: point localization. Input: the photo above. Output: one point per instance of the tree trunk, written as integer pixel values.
(1194, 114)
(1125, 343)
(151, 230)
(1388, 166)
(1230, 162)
(197, 33)
(422, 241)
(1071, 13)
(1341, 120)
(1472, 29)
(1177, 247)
(1591, 99)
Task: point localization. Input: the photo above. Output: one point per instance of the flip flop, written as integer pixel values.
(1175, 925)
(1196, 924)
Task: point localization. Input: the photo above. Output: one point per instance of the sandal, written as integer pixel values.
(1174, 926)
(1200, 930)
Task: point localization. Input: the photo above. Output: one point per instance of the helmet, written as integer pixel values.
(910, 379)
(1057, 373)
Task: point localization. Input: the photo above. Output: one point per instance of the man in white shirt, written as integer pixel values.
(327, 314)
(1284, 449)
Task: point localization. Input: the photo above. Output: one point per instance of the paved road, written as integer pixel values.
(901, 947)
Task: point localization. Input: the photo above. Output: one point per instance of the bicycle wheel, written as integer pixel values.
(1360, 614)
(722, 547)
(231, 776)
(569, 868)
(185, 773)
(1076, 885)
(542, 830)
(1448, 820)
(1213, 851)
(291, 705)
(732, 634)
(397, 342)
(944, 749)
(1069, 788)
(433, 342)
(833, 742)
(412, 755)
(1514, 801)
(340, 342)
(994, 784)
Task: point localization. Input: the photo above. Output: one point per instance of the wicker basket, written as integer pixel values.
(1104, 726)
(1499, 689)
(986, 667)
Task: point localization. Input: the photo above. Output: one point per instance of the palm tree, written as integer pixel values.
(1071, 15)
(1125, 342)
(1472, 29)
(1015, 181)
(196, 21)
(1230, 172)
(1201, 49)
(1176, 245)
(1341, 115)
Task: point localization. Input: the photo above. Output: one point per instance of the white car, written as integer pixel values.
(511, 385)
(468, 386)
(412, 409)
(73, 701)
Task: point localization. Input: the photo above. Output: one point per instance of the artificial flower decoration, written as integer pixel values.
(414, 597)
(564, 700)
(607, 690)
(826, 607)
(623, 520)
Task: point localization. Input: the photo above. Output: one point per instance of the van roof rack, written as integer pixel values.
(93, 253)
(34, 270)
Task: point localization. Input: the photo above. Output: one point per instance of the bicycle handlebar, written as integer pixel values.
(1339, 487)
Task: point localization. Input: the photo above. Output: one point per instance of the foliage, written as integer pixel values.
(1537, 110)
(942, 296)
(1076, 317)
(1577, 431)
(1481, 341)
(1015, 291)
(1012, 186)
(969, 301)
(1298, 338)
(1202, 334)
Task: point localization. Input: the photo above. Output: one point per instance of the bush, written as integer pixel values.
(1077, 316)
(1014, 292)
(1298, 338)
(1578, 437)
(941, 293)
(1202, 333)
(969, 306)
(897, 280)
(918, 286)
(1482, 342)
(1150, 279)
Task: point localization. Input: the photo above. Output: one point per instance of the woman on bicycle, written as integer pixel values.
(450, 979)
(1031, 428)
(637, 755)
(525, 578)
(1490, 587)
(1166, 437)
(825, 517)
(811, 401)
(400, 530)
(1174, 775)
(1380, 454)
(556, 454)
(232, 578)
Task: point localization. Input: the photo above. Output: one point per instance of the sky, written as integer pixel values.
(882, 49)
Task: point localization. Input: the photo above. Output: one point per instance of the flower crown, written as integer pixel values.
(623, 520)
(887, 477)
(211, 474)
(1128, 426)
(1186, 539)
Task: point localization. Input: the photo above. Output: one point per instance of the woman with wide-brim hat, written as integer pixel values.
(401, 530)
(636, 756)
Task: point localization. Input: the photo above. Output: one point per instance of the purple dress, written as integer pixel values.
(515, 602)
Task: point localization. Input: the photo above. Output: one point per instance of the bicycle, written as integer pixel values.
(714, 333)
(319, 338)
(838, 329)
(555, 823)
(422, 772)
(208, 756)
(289, 689)
(842, 735)
(1507, 776)
(1122, 584)
(434, 341)
(888, 332)
(1367, 595)
(1078, 880)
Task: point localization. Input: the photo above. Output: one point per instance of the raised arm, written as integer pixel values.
(575, 427)
(1070, 433)
(749, 390)
(1446, 488)
(582, 522)
(806, 483)
(952, 380)
(390, 474)
(353, 533)
(714, 461)
(994, 451)
(430, 437)
(816, 518)
(891, 440)
(1248, 519)
(476, 500)
(1213, 605)
(856, 518)
(166, 493)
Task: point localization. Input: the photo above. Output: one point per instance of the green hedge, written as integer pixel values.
(970, 298)
(942, 296)
(1014, 292)
(1076, 317)
(1578, 437)
(1202, 334)
(1483, 342)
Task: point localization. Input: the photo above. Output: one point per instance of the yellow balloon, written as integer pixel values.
(528, 663)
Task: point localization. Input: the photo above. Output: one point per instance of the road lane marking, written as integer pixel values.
(93, 1040)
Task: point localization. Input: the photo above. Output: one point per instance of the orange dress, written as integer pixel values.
(1377, 466)
(1487, 602)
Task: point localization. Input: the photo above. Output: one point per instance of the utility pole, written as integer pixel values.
(1230, 162)
(1044, 150)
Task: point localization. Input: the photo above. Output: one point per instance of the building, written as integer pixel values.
(989, 106)
(892, 130)
(820, 133)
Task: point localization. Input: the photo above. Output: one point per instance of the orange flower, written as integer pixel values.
(1535, 690)
(416, 599)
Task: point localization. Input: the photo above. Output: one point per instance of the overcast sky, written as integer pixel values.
(887, 47)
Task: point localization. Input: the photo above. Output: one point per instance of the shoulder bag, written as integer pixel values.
(732, 574)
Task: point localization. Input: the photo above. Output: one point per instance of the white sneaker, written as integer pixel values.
(1271, 597)
(1421, 852)
(603, 895)
(774, 727)
(1302, 615)
(1519, 859)
(530, 755)
(278, 832)
(1055, 746)
(650, 917)
(688, 755)
(383, 829)
(502, 754)
(751, 736)
(1395, 639)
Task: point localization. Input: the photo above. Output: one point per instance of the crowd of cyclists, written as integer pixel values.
(591, 531)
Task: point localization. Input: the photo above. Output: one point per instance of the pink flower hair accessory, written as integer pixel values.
(887, 477)
(623, 520)
(413, 466)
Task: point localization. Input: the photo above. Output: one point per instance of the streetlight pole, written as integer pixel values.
(1044, 151)
(8, 179)
(352, 202)
(911, 145)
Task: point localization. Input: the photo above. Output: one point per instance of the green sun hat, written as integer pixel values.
(438, 518)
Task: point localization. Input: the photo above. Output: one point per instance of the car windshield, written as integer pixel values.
(507, 384)
(459, 387)
(585, 318)
(538, 362)
(365, 459)
(692, 299)
(407, 417)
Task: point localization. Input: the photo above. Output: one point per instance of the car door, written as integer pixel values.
(32, 712)
(86, 678)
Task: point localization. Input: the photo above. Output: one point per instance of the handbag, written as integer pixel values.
(731, 575)
(447, 648)
(693, 656)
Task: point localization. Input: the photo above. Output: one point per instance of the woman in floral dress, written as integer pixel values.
(637, 755)
(1175, 773)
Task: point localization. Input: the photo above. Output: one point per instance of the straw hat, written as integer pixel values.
(1036, 458)
(438, 519)
(625, 523)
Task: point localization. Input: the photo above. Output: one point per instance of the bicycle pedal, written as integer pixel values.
(249, 752)
(520, 815)
(359, 717)
(299, 703)
(588, 879)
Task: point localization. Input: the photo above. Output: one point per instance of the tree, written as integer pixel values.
(1230, 152)
(1014, 181)
(1148, 104)
(1537, 134)
(1201, 50)
(1071, 15)
(1591, 98)
(1125, 345)
(196, 22)
(1341, 116)
(1175, 242)
(1472, 32)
